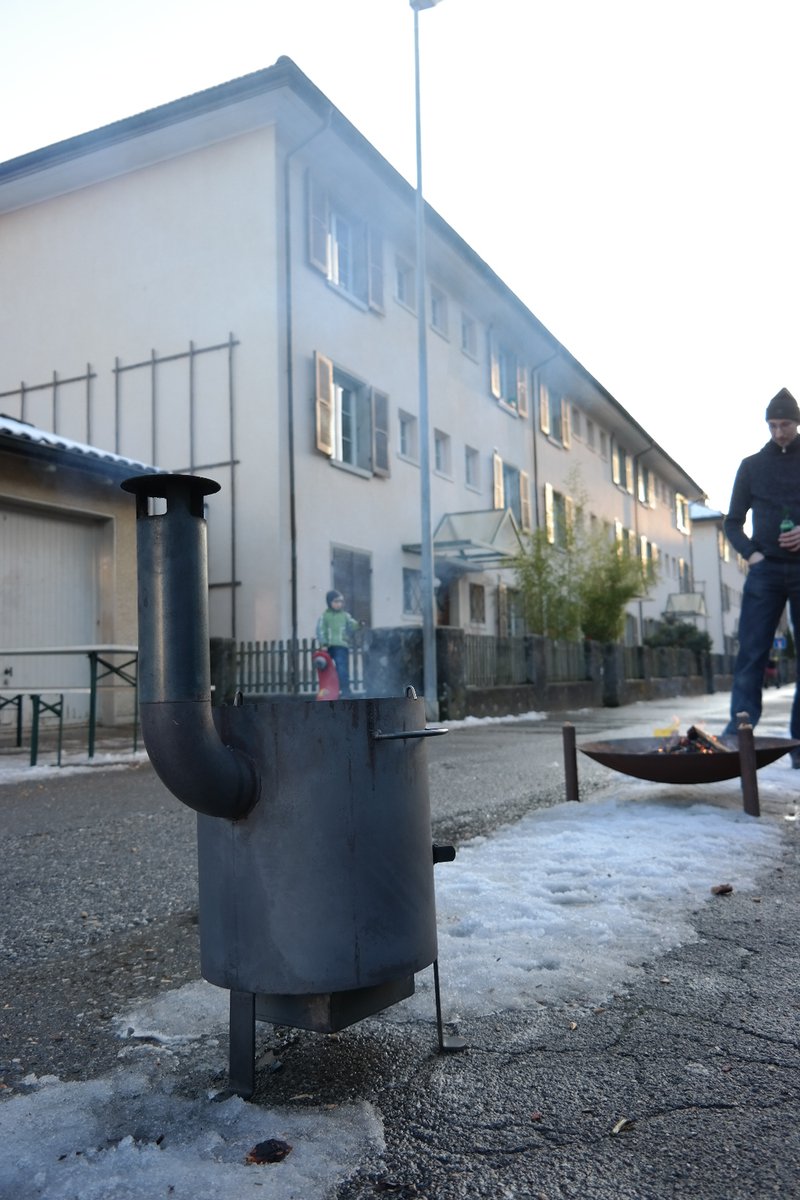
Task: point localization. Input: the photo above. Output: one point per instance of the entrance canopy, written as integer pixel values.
(473, 541)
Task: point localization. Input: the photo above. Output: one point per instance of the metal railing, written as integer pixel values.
(286, 667)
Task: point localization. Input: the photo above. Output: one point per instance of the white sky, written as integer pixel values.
(562, 908)
(628, 168)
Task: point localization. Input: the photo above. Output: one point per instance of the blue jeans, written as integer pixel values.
(341, 659)
(769, 586)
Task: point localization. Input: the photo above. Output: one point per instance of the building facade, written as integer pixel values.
(719, 574)
(67, 567)
(226, 285)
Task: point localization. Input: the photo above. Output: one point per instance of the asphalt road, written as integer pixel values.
(98, 895)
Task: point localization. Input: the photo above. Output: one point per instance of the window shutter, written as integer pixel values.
(651, 491)
(380, 433)
(525, 499)
(615, 471)
(494, 367)
(629, 473)
(360, 265)
(522, 391)
(549, 514)
(566, 423)
(375, 269)
(324, 403)
(497, 480)
(318, 247)
(544, 408)
(502, 610)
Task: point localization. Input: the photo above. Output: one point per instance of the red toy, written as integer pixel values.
(328, 676)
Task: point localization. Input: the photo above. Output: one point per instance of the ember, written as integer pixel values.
(694, 741)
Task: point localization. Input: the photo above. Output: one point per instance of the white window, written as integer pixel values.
(576, 423)
(554, 415)
(352, 420)
(442, 460)
(603, 444)
(405, 282)
(409, 436)
(469, 335)
(559, 516)
(344, 248)
(472, 468)
(412, 592)
(590, 439)
(511, 488)
(508, 376)
(682, 513)
(622, 468)
(438, 310)
(477, 604)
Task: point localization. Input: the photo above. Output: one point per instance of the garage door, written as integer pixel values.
(49, 594)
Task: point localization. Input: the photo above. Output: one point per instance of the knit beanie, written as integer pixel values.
(331, 596)
(783, 407)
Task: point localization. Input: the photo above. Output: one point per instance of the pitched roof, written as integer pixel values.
(20, 437)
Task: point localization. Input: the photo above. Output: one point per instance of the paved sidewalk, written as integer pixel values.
(686, 1084)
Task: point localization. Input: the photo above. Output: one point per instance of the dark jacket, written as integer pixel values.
(767, 484)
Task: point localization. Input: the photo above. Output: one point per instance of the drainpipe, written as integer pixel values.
(287, 221)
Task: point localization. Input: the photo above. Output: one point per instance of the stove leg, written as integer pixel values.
(747, 759)
(570, 761)
(242, 1048)
(447, 1042)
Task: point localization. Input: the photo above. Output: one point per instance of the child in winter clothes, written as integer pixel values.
(333, 633)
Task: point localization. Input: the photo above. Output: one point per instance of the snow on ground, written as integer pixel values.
(566, 904)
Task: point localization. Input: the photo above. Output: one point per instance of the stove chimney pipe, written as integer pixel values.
(177, 720)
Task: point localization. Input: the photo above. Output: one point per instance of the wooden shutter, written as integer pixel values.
(324, 403)
(522, 391)
(502, 610)
(566, 423)
(549, 514)
(497, 481)
(569, 513)
(525, 499)
(380, 433)
(544, 408)
(375, 270)
(318, 221)
(494, 368)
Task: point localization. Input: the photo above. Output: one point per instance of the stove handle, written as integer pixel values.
(410, 733)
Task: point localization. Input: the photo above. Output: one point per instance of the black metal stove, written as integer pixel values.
(315, 857)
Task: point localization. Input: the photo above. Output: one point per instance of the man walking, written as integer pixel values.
(767, 485)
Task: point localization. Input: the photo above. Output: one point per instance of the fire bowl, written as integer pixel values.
(647, 758)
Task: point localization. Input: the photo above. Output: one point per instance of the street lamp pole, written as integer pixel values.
(426, 573)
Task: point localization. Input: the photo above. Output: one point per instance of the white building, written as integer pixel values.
(226, 285)
(719, 575)
(67, 571)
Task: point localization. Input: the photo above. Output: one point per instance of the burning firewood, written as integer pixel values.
(695, 741)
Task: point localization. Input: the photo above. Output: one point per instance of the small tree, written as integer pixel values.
(582, 586)
(610, 578)
(550, 602)
(679, 633)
